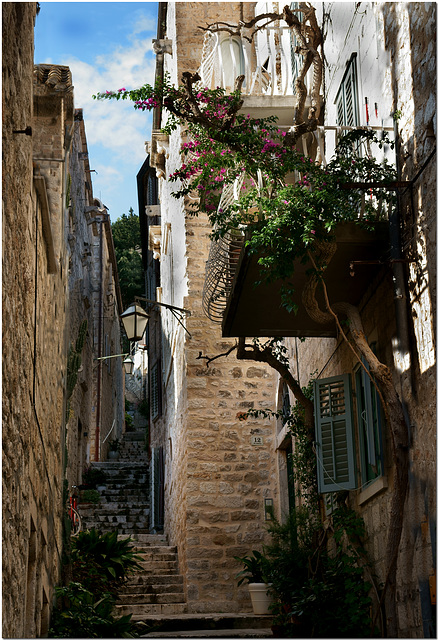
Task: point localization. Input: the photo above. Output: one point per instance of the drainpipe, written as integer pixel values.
(99, 345)
(104, 217)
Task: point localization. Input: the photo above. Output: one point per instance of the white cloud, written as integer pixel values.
(144, 24)
(115, 124)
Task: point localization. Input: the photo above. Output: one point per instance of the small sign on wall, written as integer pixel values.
(257, 441)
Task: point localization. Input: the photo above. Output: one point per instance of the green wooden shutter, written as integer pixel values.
(334, 434)
(346, 100)
(368, 417)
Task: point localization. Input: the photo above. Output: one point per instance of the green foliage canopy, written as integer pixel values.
(127, 243)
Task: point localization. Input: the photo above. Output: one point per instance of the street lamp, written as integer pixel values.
(128, 364)
(134, 321)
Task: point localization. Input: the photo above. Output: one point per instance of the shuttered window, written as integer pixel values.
(370, 427)
(334, 434)
(155, 390)
(346, 100)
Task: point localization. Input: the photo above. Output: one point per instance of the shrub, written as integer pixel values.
(318, 593)
(115, 558)
(89, 495)
(79, 614)
(256, 568)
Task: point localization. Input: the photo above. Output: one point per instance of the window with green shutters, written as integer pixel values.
(370, 427)
(334, 434)
(347, 99)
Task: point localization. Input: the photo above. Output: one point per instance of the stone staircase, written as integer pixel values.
(154, 595)
(132, 447)
(157, 589)
(124, 499)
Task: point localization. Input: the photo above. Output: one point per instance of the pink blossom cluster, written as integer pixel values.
(148, 104)
(304, 182)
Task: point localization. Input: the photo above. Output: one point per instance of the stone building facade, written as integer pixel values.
(380, 71)
(49, 283)
(94, 298)
(217, 471)
(391, 46)
(34, 332)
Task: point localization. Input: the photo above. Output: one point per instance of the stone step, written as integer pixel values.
(121, 530)
(206, 623)
(151, 566)
(150, 598)
(156, 557)
(154, 587)
(148, 549)
(140, 611)
(212, 633)
(141, 581)
(151, 540)
(115, 465)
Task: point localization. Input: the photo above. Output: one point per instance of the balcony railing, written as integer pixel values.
(268, 64)
(225, 253)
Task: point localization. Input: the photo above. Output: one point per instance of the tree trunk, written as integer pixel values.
(395, 419)
(252, 352)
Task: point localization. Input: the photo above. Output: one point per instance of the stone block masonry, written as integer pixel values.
(34, 355)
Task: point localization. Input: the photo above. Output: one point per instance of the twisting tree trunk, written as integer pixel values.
(253, 352)
(309, 38)
(395, 419)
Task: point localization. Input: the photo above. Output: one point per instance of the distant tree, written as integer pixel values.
(127, 245)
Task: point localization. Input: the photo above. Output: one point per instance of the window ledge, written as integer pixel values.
(283, 438)
(380, 484)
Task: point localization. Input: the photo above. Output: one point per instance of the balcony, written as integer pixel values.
(255, 310)
(231, 297)
(268, 64)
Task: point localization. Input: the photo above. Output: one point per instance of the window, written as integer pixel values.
(334, 434)
(369, 419)
(155, 391)
(346, 101)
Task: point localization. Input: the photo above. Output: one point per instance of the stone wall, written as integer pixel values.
(82, 282)
(216, 480)
(397, 70)
(34, 343)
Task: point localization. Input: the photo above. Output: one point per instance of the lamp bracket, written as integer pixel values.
(178, 312)
(116, 355)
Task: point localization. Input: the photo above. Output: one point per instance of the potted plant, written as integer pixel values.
(92, 478)
(256, 572)
(114, 447)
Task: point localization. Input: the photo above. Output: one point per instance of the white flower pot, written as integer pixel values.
(260, 598)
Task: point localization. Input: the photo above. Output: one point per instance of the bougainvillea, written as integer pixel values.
(287, 199)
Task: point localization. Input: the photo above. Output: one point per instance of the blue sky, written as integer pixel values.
(107, 45)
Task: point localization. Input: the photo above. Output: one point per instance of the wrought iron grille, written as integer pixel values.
(220, 269)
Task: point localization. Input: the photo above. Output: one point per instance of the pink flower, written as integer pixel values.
(122, 89)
